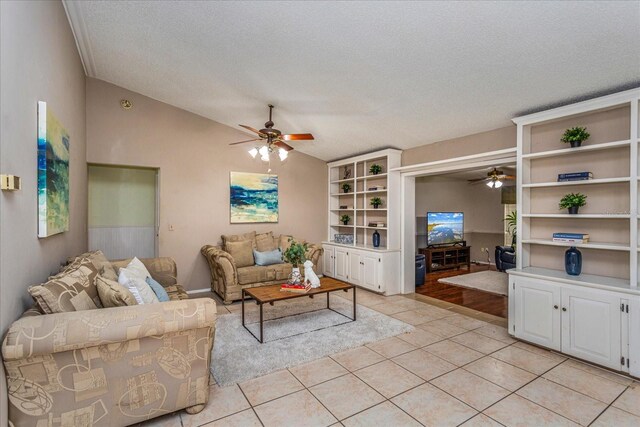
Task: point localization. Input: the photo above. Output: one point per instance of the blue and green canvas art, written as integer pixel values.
(254, 197)
(53, 174)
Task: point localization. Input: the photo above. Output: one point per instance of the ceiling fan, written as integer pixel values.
(273, 139)
(494, 178)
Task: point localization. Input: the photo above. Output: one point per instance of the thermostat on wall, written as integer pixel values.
(9, 182)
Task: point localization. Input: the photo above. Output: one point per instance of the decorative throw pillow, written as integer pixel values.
(138, 268)
(265, 242)
(158, 289)
(268, 258)
(113, 294)
(62, 293)
(238, 238)
(133, 278)
(100, 261)
(285, 243)
(242, 252)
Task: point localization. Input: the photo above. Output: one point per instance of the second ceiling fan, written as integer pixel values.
(494, 178)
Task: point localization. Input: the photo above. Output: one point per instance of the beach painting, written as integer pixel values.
(53, 174)
(254, 197)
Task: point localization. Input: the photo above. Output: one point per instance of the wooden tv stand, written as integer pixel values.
(446, 257)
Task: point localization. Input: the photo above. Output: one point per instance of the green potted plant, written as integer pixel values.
(512, 225)
(573, 201)
(376, 202)
(375, 169)
(575, 136)
(345, 219)
(296, 255)
(346, 187)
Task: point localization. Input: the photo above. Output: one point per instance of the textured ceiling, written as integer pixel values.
(362, 75)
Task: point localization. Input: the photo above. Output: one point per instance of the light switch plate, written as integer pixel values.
(9, 182)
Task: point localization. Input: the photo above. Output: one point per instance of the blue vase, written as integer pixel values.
(376, 239)
(573, 261)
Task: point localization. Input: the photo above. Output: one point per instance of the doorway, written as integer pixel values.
(123, 211)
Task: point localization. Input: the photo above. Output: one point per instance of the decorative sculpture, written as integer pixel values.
(310, 276)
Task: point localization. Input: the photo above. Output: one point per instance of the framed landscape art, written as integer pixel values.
(253, 197)
(53, 174)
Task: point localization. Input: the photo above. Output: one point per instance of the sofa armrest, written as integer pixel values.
(314, 253)
(222, 265)
(163, 269)
(55, 333)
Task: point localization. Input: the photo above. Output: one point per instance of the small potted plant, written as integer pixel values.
(375, 169)
(572, 202)
(376, 202)
(575, 136)
(345, 219)
(295, 255)
(346, 187)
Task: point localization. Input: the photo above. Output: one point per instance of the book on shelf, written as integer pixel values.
(574, 176)
(376, 188)
(561, 240)
(296, 289)
(570, 235)
(377, 224)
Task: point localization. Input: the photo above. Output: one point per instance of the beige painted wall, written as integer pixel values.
(194, 158)
(39, 63)
(493, 140)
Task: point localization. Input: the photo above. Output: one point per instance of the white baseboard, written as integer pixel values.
(198, 291)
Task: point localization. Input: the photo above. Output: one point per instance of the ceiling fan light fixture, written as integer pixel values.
(497, 184)
(490, 184)
(283, 154)
(253, 152)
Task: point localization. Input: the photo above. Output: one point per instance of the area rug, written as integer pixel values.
(493, 282)
(304, 331)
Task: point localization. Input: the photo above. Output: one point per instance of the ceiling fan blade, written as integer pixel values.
(297, 137)
(248, 140)
(479, 180)
(509, 177)
(252, 129)
(281, 144)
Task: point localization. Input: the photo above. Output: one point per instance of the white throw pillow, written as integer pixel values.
(138, 286)
(137, 267)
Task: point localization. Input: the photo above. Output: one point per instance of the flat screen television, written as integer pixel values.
(445, 228)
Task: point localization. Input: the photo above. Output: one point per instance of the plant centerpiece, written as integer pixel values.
(575, 136)
(512, 226)
(345, 219)
(346, 187)
(376, 202)
(295, 255)
(572, 202)
(375, 169)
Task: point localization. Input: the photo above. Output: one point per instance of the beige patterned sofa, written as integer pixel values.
(111, 366)
(230, 275)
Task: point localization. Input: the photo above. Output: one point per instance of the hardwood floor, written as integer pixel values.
(471, 298)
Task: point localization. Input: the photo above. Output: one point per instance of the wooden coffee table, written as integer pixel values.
(272, 293)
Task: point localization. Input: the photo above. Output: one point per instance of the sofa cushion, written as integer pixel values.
(242, 252)
(176, 293)
(134, 278)
(258, 273)
(265, 242)
(268, 258)
(158, 290)
(226, 238)
(113, 294)
(284, 242)
(101, 263)
(61, 293)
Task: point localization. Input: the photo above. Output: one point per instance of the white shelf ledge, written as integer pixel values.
(342, 210)
(579, 216)
(380, 175)
(590, 280)
(343, 194)
(604, 246)
(582, 182)
(372, 209)
(371, 191)
(371, 228)
(585, 148)
(342, 226)
(338, 181)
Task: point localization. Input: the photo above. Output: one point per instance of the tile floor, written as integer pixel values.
(459, 367)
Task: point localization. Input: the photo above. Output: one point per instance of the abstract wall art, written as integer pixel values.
(53, 174)
(254, 197)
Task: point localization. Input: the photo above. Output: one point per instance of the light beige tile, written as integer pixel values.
(479, 342)
(525, 359)
(423, 364)
(471, 389)
(385, 414)
(420, 338)
(388, 379)
(223, 401)
(169, 420)
(453, 352)
(594, 386)
(436, 312)
(500, 373)
(391, 347)
(442, 328)
(269, 387)
(357, 358)
(346, 395)
(300, 409)
(621, 379)
(614, 417)
(389, 308)
(245, 418)
(556, 357)
(630, 400)
(433, 407)
(517, 411)
(466, 322)
(481, 420)
(561, 400)
(496, 332)
(413, 317)
(318, 371)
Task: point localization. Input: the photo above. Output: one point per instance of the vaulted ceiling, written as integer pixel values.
(362, 75)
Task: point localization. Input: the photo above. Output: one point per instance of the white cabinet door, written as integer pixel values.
(328, 261)
(371, 272)
(341, 264)
(537, 312)
(591, 326)
(355, 267)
